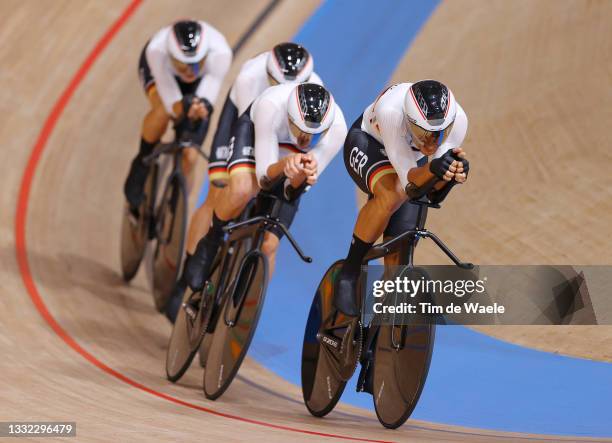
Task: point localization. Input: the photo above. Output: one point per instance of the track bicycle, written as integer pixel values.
(220, 320)
(394, 355)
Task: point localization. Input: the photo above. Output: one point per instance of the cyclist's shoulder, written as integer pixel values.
(278, 93)
(253, 68)
(461, 115)
(315, 78)
(391, 99)
(215, 39)
(459, 130)
(157, 43)
(338, 115)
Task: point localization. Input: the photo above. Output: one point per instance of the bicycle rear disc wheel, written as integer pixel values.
(170, 229)
(134, 233)
(400, 374)
(322, 386)
(236, 324)
(204, 348)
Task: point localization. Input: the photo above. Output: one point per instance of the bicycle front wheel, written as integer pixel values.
(402, 355)
(400, 374)
(236, 324)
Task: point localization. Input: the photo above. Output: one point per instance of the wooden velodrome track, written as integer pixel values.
(530, 77)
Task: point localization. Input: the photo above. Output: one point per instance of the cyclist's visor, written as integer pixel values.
(188, 68)
(422, 136)
(298, 133)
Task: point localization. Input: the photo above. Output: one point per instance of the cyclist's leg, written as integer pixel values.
(232, 200)
(367, 164)
(387, 197)
(269, 248)
(156, 120)
(220, 151)
(153, 127)
(202, 217)
(242, 187)
(218, 179)
(402, 220)
(198, 226)
(190, 157)
(218, 175)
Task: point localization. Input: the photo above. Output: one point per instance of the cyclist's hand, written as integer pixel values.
(459, 153)
(197, 110)
(312, 179)
(463, 165)
(444, 167)
(310, 165)
(293, 166)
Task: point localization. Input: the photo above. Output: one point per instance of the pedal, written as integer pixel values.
(344, 348)
(191, 308)
(190, 311)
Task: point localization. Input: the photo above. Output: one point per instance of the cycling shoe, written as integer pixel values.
(345, 296)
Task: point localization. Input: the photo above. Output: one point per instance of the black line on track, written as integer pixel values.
(263, 15)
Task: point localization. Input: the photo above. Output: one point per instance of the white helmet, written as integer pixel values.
(311, 108)
(186, 42)
(289, 62)
(430, 105)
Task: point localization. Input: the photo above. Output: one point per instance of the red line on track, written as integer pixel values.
(22, 255)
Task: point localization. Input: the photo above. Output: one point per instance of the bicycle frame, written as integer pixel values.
(396, 243)
(255, 228)
(405, 243)
(174, 148)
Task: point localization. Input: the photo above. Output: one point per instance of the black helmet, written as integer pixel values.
(311, 108)
(430, 110)
(289, 62)
(186, 42)
(430, 105)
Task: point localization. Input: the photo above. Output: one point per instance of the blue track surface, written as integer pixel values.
(475, 380)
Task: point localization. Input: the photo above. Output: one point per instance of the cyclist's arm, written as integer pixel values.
(265, 116)
(420, 175)
(457, 135)
(217, 64)
(165, 83)
(229, 114)
(237, 101)
(245, 88)
(401, 155)
(454, 139)
(331, 143)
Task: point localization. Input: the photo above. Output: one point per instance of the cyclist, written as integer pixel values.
(282, 143)
(181, 70)
(285, 63)
(386, 154)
